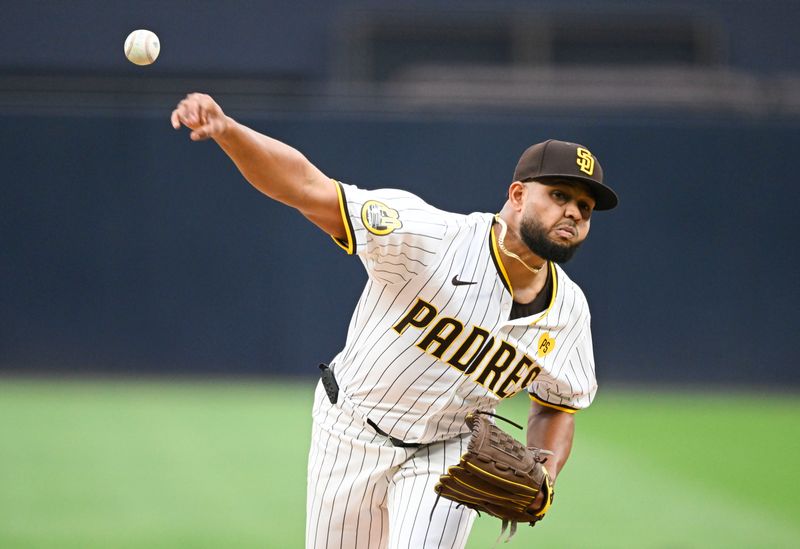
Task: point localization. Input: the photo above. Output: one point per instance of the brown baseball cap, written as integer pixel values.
(553, 160)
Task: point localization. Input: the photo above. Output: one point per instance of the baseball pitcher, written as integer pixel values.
(458, 313)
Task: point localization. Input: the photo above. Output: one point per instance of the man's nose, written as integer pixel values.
(572, 211)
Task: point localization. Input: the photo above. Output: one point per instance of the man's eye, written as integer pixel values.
(558, 195)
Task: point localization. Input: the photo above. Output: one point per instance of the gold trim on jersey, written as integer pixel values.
(350, 244)
(498, 263)
(501, 270)
(560, 407)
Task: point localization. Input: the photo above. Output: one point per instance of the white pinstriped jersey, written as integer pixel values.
(430, 339)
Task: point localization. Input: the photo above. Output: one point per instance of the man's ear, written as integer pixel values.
(516, 194)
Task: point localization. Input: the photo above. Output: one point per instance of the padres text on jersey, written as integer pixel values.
(430, 339)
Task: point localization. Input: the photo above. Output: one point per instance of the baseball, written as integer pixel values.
(142, 47)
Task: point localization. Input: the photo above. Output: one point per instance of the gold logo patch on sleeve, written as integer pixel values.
(546, 344)
(380, 219)
(585, 161)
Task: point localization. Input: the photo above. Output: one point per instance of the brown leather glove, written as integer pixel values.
(498, 475)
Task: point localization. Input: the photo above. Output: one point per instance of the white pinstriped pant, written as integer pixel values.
(363, 492)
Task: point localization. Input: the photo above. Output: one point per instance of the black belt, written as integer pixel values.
(332, 390)
(395, 441)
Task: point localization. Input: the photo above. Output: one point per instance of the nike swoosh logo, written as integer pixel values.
(457, 282)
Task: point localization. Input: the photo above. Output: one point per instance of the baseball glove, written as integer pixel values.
(499, 476)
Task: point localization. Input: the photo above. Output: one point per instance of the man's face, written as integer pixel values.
(556, 219)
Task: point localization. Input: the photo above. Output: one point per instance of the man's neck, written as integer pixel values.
(525, 284)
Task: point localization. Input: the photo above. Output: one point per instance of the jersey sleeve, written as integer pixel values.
(573, 384)
(396, 234)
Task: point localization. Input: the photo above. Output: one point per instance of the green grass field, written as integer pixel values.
(87, 464)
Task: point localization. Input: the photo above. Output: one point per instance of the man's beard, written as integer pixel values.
(534, 235)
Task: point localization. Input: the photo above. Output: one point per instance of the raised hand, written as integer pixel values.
(201, 114)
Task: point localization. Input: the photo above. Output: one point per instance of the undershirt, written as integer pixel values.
(539, 303)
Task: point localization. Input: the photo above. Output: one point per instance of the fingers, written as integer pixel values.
(186, 112)
(199, 113)
(205, 128)
(210, 128)
(201, 133)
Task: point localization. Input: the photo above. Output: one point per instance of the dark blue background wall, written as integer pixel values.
(126, 247)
